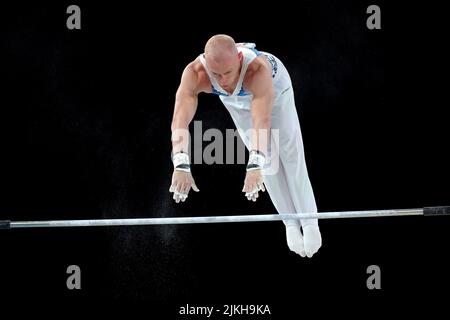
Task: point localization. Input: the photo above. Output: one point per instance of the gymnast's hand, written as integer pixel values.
(253, 183)
(182, 180)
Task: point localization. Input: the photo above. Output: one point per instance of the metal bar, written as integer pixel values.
(212, 219)
(428, 211)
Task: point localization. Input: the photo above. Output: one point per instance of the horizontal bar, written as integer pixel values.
(212, 219)
(428, 211)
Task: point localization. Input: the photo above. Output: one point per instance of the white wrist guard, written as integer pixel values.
(256, 160)
(181, 162)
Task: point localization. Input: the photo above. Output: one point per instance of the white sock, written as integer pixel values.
(295, 239)
(312, 239)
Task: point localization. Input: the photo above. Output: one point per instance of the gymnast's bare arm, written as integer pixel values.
(193, 81)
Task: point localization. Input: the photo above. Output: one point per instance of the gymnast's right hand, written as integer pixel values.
(182, 180)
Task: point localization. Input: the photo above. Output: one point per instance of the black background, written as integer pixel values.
(85, 133)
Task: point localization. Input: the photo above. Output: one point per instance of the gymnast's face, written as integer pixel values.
(226, 69)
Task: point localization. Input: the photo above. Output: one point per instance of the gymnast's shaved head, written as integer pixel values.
(223, 60)
(220, 47)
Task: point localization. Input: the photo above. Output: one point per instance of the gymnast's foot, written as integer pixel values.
(312, 239)
(295, 239)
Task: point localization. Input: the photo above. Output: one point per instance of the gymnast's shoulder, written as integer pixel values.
(196, 74)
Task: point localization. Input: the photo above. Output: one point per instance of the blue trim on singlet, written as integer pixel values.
(242, 92)
(273, 63)
(215, 91)
(255, 51)
(271, 59)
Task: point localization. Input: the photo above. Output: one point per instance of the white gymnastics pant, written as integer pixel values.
(289, 187)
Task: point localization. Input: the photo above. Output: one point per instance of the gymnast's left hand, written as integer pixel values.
(253, 183)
